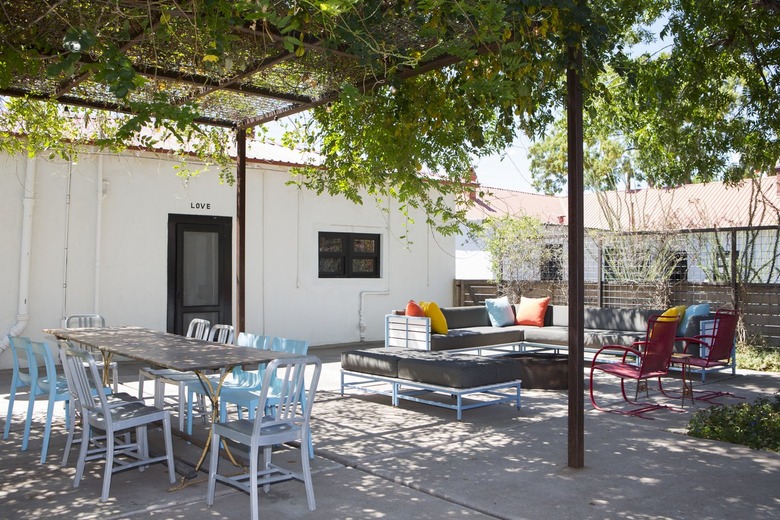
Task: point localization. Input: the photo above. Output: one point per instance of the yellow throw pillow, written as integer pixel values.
(438, 321)
(674, 312)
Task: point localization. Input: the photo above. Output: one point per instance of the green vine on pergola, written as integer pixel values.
(403, 95)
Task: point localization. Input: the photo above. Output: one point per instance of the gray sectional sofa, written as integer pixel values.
(469, 327)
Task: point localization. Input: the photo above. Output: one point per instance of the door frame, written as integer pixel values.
(224, 227)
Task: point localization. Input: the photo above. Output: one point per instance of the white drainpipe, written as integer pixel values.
(66, 240)
(101, 193)
(28, 203)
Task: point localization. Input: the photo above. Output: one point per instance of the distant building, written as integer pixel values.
(707, 208)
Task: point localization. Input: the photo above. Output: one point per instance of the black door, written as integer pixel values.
(199, 270)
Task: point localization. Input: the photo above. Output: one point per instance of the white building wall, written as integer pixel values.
(284, 295)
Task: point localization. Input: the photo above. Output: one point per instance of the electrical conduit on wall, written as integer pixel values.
(28, 203)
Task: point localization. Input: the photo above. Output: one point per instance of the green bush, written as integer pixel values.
(756, 357)
(756, 424)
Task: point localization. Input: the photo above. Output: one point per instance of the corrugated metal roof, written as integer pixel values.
(276, 154)
(496, 202)
(692, 206)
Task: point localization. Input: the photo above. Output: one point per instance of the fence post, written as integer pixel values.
(600, 270)
(734, 278)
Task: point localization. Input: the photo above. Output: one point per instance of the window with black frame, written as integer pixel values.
(551, 268)
(679, 270)
(348, 255)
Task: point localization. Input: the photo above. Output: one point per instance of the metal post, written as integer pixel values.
(576, 260)
(734, 274)
(240, 229)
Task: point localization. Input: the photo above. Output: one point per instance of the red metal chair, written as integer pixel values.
(718, 348)
(640, 361)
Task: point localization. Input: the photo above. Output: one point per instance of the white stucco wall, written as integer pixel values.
(284, 295)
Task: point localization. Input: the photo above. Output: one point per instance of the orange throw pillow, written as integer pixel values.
(413, 309)
(531, 311)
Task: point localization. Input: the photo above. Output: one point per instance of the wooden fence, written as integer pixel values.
(759, 304)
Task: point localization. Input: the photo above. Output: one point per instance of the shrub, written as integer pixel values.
(756, 424)
(756, 357)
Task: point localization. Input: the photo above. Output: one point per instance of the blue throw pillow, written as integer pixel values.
(703, 309)
(500, 311)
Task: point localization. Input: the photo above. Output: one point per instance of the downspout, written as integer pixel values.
(28, 203)
(100, 194)
(66, 240)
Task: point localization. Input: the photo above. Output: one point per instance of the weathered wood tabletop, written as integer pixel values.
(167, 350)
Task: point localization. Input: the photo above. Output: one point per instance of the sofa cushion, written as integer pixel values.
(438, 321)
(456, 370)
(557, 315)
(597, 338)
(464, 317)
(476, 337)
(633, 320)
(552, 335)
(531, 311)
(379, 362)
(500, 311)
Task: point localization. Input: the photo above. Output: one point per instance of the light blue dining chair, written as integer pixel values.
(53, 386)
(247, 395)
(20, 378)
(237, 379)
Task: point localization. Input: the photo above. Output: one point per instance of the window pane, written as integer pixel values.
(364, 245)
(363, 265)
(331, 244)
(200, 272)
(332, 265)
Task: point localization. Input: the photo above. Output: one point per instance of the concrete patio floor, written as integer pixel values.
(374, 461)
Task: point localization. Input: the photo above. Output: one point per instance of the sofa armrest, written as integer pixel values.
(408, 331)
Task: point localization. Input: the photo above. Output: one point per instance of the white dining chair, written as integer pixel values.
(198, 329)
(98, 416)
(94, 320)
(74, 411)
(289, 424)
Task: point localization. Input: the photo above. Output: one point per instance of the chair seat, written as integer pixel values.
(706, 363)
(275, 433)
(627, 370)
(130, 414)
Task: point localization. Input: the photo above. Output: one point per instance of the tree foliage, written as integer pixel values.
(386, 134)
(521, 249)
(706, 108)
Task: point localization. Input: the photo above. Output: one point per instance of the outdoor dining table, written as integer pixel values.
(171, 351)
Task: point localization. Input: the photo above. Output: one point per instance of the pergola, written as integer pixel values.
(269, 72)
